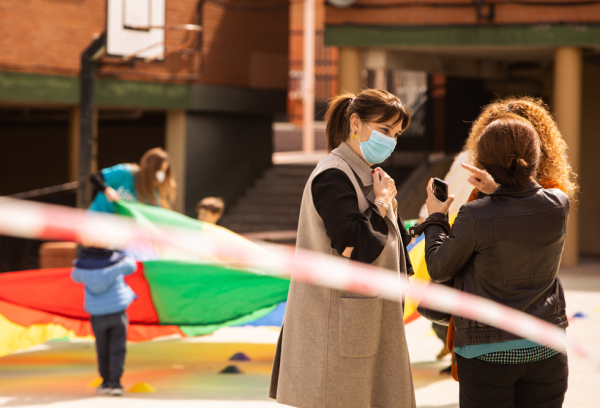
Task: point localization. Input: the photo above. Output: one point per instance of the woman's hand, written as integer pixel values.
(111, 194)
(384, 188)
(433, 204)
(348, 252)
(480, 179)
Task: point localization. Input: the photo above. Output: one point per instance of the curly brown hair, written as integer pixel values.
(554, 162)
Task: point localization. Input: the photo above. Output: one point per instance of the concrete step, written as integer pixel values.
(275, 190)
(258, 227)
(291, 170)
(273, 202)
(262, 218)
(268, 200)
(295, 182)
(268, 208)
(288, 177)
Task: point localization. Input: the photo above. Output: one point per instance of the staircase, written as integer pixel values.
(272, 204)
(269, 210)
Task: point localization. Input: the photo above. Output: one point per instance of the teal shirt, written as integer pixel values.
(121, 178)
(476, 350)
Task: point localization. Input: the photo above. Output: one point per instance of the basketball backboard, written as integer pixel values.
(135, 28)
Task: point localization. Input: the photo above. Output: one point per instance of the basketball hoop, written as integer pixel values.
(184, 27)
(136, 29)
(125, 39)
(180, 27)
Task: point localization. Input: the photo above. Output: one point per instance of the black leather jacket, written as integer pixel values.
(505, 247)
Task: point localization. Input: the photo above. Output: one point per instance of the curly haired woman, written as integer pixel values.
(505, 247)
(554, 169)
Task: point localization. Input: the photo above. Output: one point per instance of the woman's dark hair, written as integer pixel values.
(215, 205)
(509, 149)
(370, 105)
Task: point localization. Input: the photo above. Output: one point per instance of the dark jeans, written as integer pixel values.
(541, 384)
(111, 334)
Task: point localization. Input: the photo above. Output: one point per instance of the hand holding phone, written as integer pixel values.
(440, 189)
(438, 200)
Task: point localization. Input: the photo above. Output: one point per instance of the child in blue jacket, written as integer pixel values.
(107, 296)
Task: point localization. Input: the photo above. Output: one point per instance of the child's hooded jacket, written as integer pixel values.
(102, 273)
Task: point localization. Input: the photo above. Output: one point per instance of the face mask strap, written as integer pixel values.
(163, 176)
(355, 136)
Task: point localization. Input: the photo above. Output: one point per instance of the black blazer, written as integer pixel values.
(505, 247)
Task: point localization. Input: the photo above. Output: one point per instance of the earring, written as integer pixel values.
(355, 136)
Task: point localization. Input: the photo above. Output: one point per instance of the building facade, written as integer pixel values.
(210, 102)
(476, 51)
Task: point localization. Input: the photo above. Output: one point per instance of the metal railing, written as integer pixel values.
(326, 76)
(73, 185)
(418, 121)
(17, 254)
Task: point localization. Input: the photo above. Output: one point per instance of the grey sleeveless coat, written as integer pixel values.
(336, 348)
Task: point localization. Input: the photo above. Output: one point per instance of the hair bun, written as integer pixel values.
(517, 171)
(516, 163)
(516, 175)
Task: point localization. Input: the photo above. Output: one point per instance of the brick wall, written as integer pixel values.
(243, 46)
(57, 254)
(38, 36)
(461, 12)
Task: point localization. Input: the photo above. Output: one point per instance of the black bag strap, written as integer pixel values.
(417, 230)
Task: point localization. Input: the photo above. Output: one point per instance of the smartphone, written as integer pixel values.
(440, 189)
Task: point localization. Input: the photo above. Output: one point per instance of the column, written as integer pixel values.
(350, 70)
(96, 123)
(308, 101)
(175, 145)
(437, 108)
(567, 108)
(74, 143)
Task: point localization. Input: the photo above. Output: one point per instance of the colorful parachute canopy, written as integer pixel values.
(176, 295)
(173, 298)
(150, 217)
(416, 251)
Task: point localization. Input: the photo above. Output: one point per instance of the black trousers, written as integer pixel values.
(541, 384)
(111, 334)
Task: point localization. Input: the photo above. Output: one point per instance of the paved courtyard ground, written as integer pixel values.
(185, 372)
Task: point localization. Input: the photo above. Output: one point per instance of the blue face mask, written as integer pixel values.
(378, 148)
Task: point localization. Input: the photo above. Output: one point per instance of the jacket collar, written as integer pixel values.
(97, 258)
(358, 165)
(505, 190)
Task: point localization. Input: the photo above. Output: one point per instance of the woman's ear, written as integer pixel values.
(354, 123)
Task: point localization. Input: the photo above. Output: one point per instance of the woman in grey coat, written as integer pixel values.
(336, 348)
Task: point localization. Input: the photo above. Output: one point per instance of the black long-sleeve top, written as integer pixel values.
(98, 182)
(336, 203)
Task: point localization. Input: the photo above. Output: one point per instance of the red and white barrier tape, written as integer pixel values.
(47, 222)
